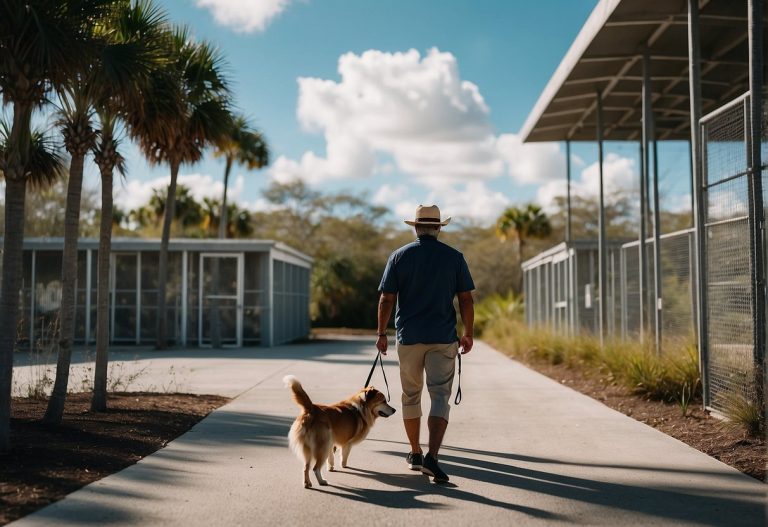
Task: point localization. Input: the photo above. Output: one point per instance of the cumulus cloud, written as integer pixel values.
(245, 16)
(619, 174)
(134, 193)
(468, 200)
(415, 109)
(531, 162)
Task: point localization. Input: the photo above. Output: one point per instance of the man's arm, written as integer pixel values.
(467, 312)
(386, 304)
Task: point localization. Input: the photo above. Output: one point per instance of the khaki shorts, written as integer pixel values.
(438, 361)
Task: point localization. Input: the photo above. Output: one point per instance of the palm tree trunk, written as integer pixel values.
(13, 245)
(15, 190)
(55, 409)
(223, 216)
(99, 400)
(162, 273)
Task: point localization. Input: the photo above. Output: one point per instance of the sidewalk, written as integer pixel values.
(521, 450)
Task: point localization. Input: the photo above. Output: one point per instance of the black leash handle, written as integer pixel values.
(381, 362)
(457, 400)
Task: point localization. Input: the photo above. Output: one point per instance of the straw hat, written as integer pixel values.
(428, 215)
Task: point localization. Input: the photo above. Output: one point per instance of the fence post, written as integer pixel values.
(694, 68)
(645, 141)
(757, 212)
(568, 233)
(601, 237)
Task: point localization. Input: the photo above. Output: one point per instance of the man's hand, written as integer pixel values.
(382, 343)
(466, 343)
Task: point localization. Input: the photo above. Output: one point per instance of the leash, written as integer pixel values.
(457, 400)
(381, 362)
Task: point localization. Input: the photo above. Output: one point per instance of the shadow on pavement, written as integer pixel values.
(420, 485)
(681, 504)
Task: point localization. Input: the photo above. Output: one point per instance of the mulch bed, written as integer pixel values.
(697, 428)
(46, 464)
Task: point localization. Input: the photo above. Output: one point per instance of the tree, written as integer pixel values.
(185, 109)
(522, 224)
(621, 218)
(41, 43)
(106, 83)
(137, 32)
(42, 167)
(240, 145)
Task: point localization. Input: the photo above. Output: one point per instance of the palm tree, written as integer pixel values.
(43, 165)
(523, 224)
(139, 32)
(242, 145)
(41, 43)
(109, 83)
(186, 108)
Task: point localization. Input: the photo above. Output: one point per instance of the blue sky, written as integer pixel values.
(426, 108)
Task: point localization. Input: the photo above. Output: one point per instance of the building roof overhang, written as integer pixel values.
(607, 58)
(207, 245)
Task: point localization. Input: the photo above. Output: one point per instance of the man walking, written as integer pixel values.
(424, 277)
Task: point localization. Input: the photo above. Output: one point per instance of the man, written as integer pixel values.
(424, 277)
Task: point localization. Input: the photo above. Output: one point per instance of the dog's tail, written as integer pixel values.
(299, 395)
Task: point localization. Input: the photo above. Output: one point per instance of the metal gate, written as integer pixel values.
(730, 359)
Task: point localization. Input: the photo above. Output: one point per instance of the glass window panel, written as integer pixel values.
(125, 271)
(148, 323)
(125, 324)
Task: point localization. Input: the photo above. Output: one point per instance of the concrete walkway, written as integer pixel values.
(520, 450)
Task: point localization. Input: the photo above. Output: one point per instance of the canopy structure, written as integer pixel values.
(607, 58)
(655, 70)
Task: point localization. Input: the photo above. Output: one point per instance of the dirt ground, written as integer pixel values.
(45, 464)
(698, 429)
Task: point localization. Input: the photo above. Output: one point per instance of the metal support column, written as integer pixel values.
(184, 296)
(568, 190)
(658, 305)
(757, 214)
(602, 282)
(694, 68)
(32, 301)
(645, 164)
(88, 286)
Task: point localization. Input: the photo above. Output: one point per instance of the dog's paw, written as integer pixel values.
(307, 485)
(323, 483)
(344, 465)
(331, 469)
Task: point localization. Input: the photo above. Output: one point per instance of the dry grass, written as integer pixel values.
(672, 376)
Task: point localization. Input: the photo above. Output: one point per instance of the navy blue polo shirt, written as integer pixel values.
(426, 275)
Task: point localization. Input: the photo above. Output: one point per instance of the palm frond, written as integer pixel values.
(45, 162)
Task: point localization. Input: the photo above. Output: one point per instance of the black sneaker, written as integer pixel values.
(431, 468)
(415, 461)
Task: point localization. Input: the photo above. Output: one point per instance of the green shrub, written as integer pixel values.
(672, 376)
(744, 413)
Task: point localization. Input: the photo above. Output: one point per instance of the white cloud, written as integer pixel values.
(245, 16)
(531, 162)
(619, 174)
(471, 200)
(415, 109)
(134, 193)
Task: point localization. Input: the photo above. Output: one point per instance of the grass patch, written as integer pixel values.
(671, 377)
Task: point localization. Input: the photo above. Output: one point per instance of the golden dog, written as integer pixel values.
(319, 429)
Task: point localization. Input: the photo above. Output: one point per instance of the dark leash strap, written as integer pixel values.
(457, 400)
(381, 362)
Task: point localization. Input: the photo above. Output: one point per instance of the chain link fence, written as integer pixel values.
(561, 288)
(561, 284)
(730, 357)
